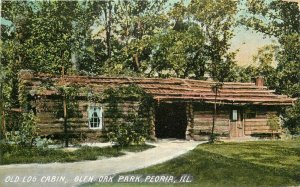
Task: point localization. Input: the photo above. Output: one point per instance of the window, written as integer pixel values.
(234, 115)
(95, 117)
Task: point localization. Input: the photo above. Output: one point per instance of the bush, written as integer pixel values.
(27, 132)
(127, 134)
(292, 118)
(273, 122)
(42, 142)
(128, 127)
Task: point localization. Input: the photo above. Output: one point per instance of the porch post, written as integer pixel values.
(189, 134)
(152, 122)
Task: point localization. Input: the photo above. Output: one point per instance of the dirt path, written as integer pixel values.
(70, 174)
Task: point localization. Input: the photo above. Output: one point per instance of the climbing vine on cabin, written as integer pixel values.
(23, 95)
(28, 129)
(71, 95)
(26, 134)
(128, 107)
(69, 109)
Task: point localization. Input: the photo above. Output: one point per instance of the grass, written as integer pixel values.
(17, 155)
(261, 163)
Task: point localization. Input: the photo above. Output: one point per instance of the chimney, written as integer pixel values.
(259, 81)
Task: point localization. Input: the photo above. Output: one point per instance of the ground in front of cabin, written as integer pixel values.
(257, 163)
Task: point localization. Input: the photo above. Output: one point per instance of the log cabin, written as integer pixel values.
(181, 108)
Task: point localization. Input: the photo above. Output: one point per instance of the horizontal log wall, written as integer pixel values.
(259, 123)
(203, 121)
(50, 124)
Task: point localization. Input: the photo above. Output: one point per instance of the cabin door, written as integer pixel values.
(236, 124)
(170, 120)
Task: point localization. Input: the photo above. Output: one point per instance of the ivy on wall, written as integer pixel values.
(130, 124)
(127, 109)
(26, 133)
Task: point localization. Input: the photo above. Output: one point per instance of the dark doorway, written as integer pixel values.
(170, 121)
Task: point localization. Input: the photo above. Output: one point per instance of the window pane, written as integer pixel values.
(234, 115)
(94, 115)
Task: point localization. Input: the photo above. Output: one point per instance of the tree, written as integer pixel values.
(217, 20)
(178, 53)
(194, 42)
(216, 89)
(178, 50)
(90, 50)
(280, 19)
(130, 24)
(266, 63)
(2, 112)
(47, 37)
(292, 118)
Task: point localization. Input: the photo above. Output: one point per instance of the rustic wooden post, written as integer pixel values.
(66, 135)
(152, 122)
(215, 89)
(190, 121)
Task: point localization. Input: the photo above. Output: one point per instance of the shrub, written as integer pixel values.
(128, 127)
(273, 122)
(127, 134)
(27, 132)
(292, 118)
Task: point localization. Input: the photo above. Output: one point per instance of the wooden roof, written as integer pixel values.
(172, 89)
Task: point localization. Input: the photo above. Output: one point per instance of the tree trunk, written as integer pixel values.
(135, 59)
(212, 135)
(2, 132)
(108, 29)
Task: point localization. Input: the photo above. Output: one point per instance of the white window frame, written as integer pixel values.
(234, 115)
(99, 111)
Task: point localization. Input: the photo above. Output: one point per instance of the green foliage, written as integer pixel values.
(264, 64)
(292, 118)
(130, 126)
(279, 19)
(216, 20)
(70, 94)
(273, 122)
(69, 107)
(127, 134)
(135, 22)
(11, 154)
(15, 154)
(28, 129)
(27, 132)
(42, 142)
(46, 36)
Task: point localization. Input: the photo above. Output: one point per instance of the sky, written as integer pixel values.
(248, 42)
